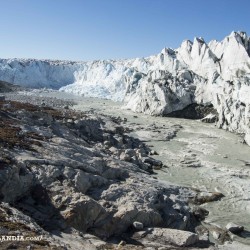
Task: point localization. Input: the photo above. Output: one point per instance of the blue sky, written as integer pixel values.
(106, 29)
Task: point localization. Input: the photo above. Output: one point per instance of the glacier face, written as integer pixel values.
(216, 73)
(105, 79)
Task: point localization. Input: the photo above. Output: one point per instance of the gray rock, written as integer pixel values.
(153, 152)
(167, 236)
(130, 152)
(200, 213)
(122, 243)
(70, 121)
(82, 181)
(157, 167)
(125, 157)
(216, 235)
(204, 197)
(107, 143)
(113, 150)
(138, 225)
(146, 166)
(234, 228)
(68, 182)
(152, 161)
(14, 185)
(140, 152)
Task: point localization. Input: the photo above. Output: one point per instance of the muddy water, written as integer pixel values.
(199, 155)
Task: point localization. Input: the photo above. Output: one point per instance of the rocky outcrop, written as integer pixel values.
(63, 170)
(163, 237)
(234, 228)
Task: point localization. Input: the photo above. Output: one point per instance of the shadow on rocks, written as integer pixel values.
(38, 206)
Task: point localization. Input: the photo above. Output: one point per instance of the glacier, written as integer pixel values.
(216, 73)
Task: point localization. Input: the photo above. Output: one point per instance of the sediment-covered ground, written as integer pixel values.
(197, 155)
(80, 181)
(92, 173)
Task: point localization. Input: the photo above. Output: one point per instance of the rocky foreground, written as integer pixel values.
(79, 181)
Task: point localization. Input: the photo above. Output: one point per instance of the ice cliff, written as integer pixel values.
(214, 73)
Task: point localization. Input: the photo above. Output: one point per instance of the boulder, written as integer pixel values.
(153, 152)
(82, 181)
(216, 235)
(157, 167)
(138, 225)
(130, 152)
(107, 143)
(125, 157)
(234, 228)
(83, 212)
(113, 150)
(166, 236)
(151, 161)
(200, 213)
(204, 197)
